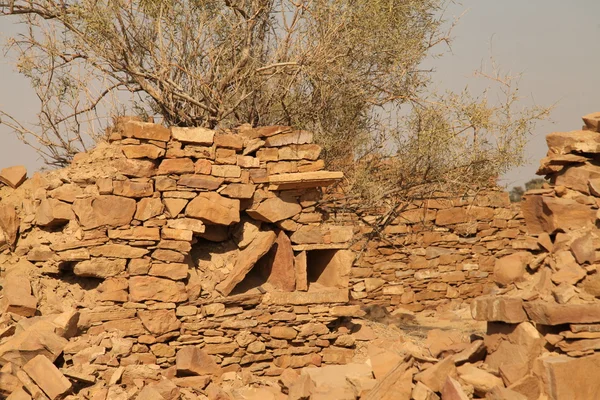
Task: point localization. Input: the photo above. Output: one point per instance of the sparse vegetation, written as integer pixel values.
(349, 71)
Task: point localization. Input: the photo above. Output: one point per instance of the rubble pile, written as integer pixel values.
(544, 315)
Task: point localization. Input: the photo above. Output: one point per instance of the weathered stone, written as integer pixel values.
(284, 139)
(207, 182)
(451, 216)
(176, 166)
(213, 208)
(143, 150)
(188, 224)
(435, 376)
(481, 380)
(275, 209)
(118, 251)
(300, 152)
(198, 135)
(303, 180)
(47, 377)
(304, 298)
(498, 308)
(148, 208)
(194, 361)
(13, 176)
(9, 223)
(38, 338)
(247, 258)
(277, 266)
(104, 211)
(573, 142)
(556, 314)
(592, 121)
(583, 249)
(547, 214)
(100, 267)
(566, 378)
(510, 269)
(138, 168)
(175, 206)
(174, 271)
(145, 130)
(159, 322)
(17, 297)
(239, 190)
(300, 271)
(135, 189)
(142, 288)
(135, 233)
(453, 391)
(283, 332)
(53, 212)
(226, 171)
(330, 268)
(308, 234)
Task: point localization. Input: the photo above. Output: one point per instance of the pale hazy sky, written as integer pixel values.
(554, 43)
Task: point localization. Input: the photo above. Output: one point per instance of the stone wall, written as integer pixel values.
(178, 238)
(435, 253)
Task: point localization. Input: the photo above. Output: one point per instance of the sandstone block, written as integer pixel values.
(226, 171)
(238, 190)
(213, 208)
(283, 332)
(188, 224)
(277, 266)
(100, 267)
(284, 139)
(547, 214)
(47, 377)
(176, 166)
(138, 168)
(53, 212)
(556, 314)
(275, 209)
(435, 376)
(9, 223)
(17, 297)
(135, 233)
(207, 182)
(159, 322)
(566, 378)
(118, 251)
(510, 269)
(592, 121)
(142, 288)
(13, 176)
(104, 211)
(175, 206)
(145, 130)
(143, 150)
(247, 258)
(229, 141)
(498, 308)
(201, 136)
(194, 361)
(135, 189)
(168, 256)
(148, 208)
(573, 142)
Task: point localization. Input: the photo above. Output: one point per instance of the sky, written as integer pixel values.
(554, 44)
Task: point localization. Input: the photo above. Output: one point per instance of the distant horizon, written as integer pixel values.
(550, 42)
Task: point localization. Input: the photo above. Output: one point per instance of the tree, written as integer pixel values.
(346, 70)
(517, 192)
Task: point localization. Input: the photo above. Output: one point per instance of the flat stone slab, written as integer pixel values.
(557, 314)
